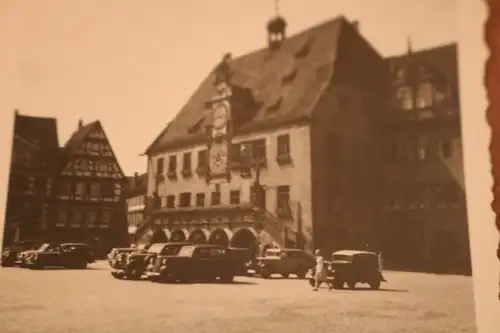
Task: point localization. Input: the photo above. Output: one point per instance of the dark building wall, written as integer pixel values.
(344, 157)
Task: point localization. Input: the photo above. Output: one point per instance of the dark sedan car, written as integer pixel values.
(67, 255)
(133, 265)
(200, 262)
(10, 253)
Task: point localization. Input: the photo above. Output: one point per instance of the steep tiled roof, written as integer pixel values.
(285, 83)
(40, 131)
(80, 134)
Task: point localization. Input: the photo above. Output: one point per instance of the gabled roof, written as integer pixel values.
(285, 83)
(79, 136)
(38, 131)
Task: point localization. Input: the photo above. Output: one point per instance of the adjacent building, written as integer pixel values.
(136, 204)
(317, 141)
(75, 192)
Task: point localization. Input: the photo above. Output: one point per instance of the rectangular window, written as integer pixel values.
(170, 201)
(172, 164)
(283, 145)
(405, 98)
(185, 199)
(160, 164)
(202, 159)
(446, 148)
(258, 150)
(77, 216)
(234, 197)
(80, 189)
(424, 95)
(90, 217)
(283, 200)
(95, 190)
(62, 215)
(186, 162)
(107, 189)
(200, 199)
(106, 216)
(215, 198)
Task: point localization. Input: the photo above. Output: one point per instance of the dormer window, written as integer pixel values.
(304, 50)
(287, 79)
(275, 106)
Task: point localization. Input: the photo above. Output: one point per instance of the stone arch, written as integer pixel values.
(179, 235)
(158, 236)
(244, 238)
(199, 236)
(221, 236)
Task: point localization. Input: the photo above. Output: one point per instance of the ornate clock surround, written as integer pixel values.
(220, 130)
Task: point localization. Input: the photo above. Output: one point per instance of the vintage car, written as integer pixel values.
(10, 253)
(284, 262)
(118, 250)
(133, 265)
(197, 262)
(351, 267)
(67, 255)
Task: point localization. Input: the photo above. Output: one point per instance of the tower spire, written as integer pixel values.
(277, 7)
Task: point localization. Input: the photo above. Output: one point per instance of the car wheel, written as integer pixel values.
(312, 282)
(351, 284)
(116, 275)
(375, 285)
(265, 273)
(338, 284)
(285, 275)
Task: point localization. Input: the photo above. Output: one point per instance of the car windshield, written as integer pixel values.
(156, 248)
(170, 250)
(186, 251)
(43, 247)
(342, 257)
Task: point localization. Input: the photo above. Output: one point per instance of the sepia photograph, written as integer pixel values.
(235, 166)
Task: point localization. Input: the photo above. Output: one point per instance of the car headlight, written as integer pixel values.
(164, 261)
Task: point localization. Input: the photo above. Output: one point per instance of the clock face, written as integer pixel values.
(220, 117)
(218, 158)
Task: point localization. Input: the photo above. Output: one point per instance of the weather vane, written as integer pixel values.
(277, 7)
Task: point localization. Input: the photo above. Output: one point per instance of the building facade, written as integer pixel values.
(79, 196)
(136, 204)
(35, 149)
(292, 145)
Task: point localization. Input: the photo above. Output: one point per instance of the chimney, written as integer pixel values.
(355, 25)
(80, 123)
(16, 112)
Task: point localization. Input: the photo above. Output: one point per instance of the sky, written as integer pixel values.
(133, 64)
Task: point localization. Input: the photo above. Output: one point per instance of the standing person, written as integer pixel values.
(320, 273)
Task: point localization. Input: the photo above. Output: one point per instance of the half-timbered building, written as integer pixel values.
(89, 189)
(69, 193)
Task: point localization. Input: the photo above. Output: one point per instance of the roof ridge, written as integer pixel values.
(426, 49)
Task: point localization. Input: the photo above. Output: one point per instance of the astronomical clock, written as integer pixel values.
(220, 134)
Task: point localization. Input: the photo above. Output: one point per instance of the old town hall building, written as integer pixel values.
(317, 141)
(68, 193)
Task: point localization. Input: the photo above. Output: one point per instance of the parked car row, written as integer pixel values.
(38, 255)
(188, 262)
(180, 262)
